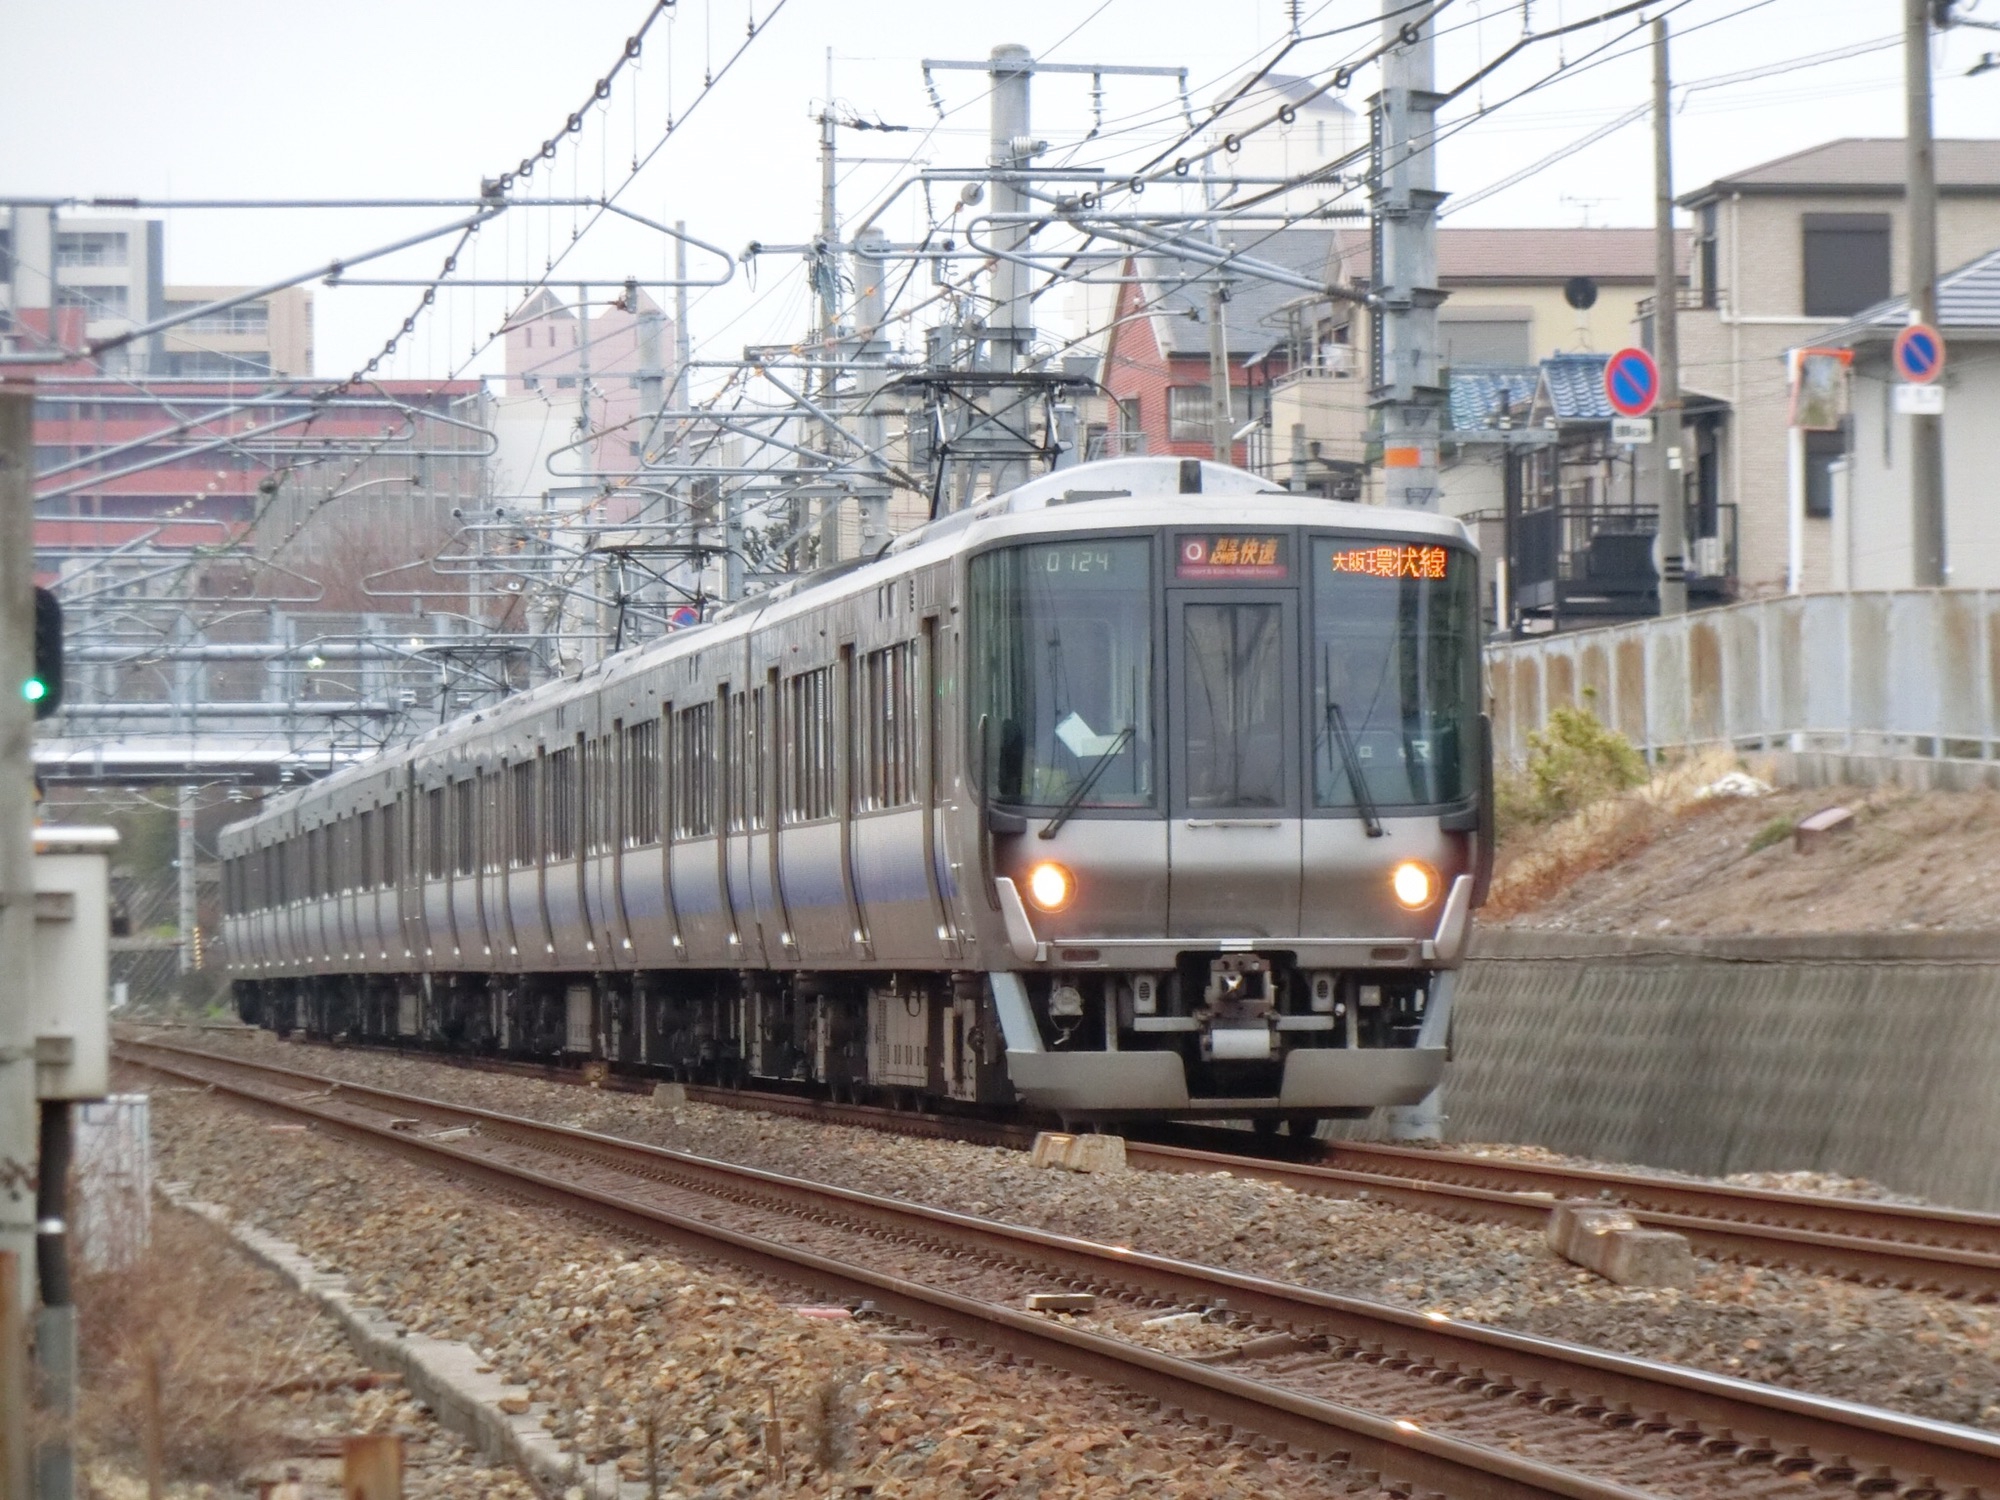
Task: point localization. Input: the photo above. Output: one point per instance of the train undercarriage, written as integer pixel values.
(1230, 1028)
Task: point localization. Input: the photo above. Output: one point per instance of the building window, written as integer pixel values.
(1846, 261)
(244, 318)
(1486, 341)
(1707, 256)
(1823, 449)
(90, 248)
(1188, 412)
(215, 364)
(97, 301)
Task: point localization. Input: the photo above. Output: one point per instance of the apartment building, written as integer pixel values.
(1787, 252)
(102, 276)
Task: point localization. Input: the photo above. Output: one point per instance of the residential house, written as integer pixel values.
(1871, 533)
(1785, 254)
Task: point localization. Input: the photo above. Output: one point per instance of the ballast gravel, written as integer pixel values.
(737, 1389)
(1913, 1352)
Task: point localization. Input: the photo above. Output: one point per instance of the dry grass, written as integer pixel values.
(195, 1323)
(1540, 863)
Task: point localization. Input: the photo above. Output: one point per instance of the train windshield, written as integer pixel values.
(1062, 666)
(1394, 672)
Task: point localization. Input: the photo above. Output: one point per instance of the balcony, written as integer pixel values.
(1577, 564)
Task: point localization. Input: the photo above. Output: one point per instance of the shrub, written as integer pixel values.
(1774, 832)
(1573, 761)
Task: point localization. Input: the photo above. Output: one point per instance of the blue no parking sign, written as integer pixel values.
(1919, 354)
(1631, 382)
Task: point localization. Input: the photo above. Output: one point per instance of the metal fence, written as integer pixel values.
(1910, 674)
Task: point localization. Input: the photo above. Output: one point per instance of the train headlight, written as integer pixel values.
(1050, 886)
(1415, 884)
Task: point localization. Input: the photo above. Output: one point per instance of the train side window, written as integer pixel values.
(885, 729)
(808, 742)
(642, 783)
(434, 832)
(521, 833)
(393, 841)
(465, 824)
(312, 864)
(559, 804)
(694, 772)
(363, 869)
(740, 771)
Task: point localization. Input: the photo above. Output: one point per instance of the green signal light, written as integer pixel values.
(34, 690)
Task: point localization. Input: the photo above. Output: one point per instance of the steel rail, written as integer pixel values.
(1866, 1444)
(1875, 1259)
(1955, 1252)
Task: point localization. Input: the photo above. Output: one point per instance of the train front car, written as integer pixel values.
(1233, 791)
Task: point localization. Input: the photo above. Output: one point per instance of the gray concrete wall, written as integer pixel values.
(1876, 1055)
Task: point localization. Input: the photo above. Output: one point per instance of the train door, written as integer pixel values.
(1234, 835)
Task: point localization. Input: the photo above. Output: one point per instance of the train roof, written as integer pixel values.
(1109, 495)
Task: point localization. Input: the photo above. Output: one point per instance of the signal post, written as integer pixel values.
(18, 1112)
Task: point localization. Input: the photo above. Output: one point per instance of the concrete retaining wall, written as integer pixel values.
(1876, 1055)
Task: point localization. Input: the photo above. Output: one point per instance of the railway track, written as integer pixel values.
(1411, 1402)
(1953, 1252)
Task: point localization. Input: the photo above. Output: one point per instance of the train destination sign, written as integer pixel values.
(1208, 558)
(1393, 562)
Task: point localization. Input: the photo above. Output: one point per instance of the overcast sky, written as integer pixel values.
(388, 98)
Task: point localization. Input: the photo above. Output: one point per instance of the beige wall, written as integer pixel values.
(1557, 328)
(287, 337)
(1737, 351)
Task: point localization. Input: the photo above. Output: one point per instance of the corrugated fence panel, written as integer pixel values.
(1886, 673)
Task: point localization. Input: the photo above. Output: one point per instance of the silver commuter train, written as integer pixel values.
(1145, 789)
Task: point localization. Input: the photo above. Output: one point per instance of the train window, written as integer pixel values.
(492, 819)
(593, 783)
(885, 729)
(312, 864)
(364, 873)
(434, 832)
(808, 741)
(642, 783)
(749, 756)
(559, 803)
(694, 772)
(1395, 673)
(1062, 672)
(521, 831)
(393, 840)
(465, 824)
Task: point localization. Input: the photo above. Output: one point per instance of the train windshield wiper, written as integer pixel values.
(1068, 810)
(1336, 728)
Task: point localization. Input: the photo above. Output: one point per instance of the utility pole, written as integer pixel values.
(1011, 331)
(871, 374)
(189, 911)
(826, 273)
(19, 1122)
(1222, 411)
(1407, 395)
(1927, 551)
(1667, 345)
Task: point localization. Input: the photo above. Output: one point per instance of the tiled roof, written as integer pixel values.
(1532, 256)
(1573, 388)
(1476, 391)
(1968, 300)
(1862, 163)
(1543, 255)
